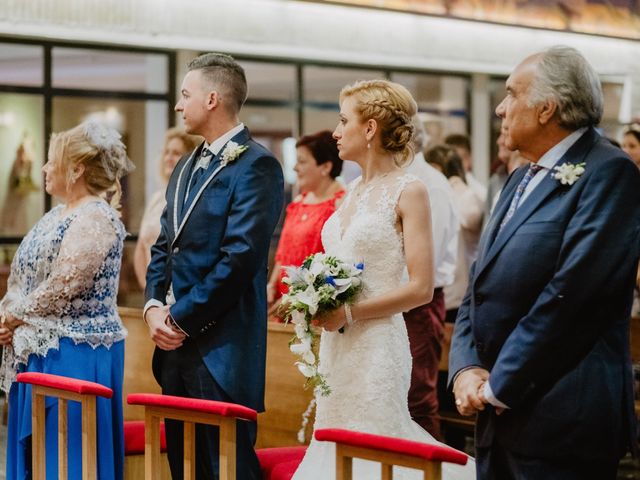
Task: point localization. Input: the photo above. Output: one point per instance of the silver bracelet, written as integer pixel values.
(347, 314)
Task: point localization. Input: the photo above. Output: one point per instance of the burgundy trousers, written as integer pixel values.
(425, 326)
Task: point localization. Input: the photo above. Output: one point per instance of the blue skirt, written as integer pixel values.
(102, 365)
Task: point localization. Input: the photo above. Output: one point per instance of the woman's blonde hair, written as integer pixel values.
(392, 107)
(99, 149)
(190, 142)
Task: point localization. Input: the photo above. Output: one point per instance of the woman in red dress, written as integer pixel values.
(317, 167)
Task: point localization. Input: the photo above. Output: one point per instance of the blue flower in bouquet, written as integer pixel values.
(321, 284)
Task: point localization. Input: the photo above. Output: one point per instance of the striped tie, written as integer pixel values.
(533, 169)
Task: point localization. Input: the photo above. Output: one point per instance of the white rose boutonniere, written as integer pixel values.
(231, 153)
(568, 173)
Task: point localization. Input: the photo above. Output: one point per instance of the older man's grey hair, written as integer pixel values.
(420, 137)
(564, 76)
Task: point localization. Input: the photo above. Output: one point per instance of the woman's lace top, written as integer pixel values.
(63, 283)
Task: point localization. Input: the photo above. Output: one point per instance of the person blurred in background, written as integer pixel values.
(462, 145)
(631, 143)
(317, 167)
(470, 210)
(509, 161)
(59, 315)
(176, 144)
(425, 324)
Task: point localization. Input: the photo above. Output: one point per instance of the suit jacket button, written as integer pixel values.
(176, 250)
(479, 299)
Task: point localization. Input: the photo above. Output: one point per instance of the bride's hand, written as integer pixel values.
(331, 321)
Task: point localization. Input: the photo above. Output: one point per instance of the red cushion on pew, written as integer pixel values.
(193, 404)
(284, 471)
(391, 444)
(134, 437)
(271, 458)
(67, 384)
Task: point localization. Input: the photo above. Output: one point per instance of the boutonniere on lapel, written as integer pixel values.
(569, 173)
(231, 153)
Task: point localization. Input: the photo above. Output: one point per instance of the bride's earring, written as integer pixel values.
(368, 146)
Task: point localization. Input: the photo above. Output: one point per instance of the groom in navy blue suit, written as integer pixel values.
(541, 344)
(206, 284)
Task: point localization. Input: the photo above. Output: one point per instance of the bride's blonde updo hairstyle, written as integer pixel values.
(392, 107)
(97, 147)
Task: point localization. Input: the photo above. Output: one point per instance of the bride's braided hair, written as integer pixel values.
(392, 107)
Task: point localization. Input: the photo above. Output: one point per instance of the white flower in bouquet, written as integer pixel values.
(321, 284)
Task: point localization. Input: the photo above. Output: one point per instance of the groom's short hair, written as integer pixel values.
(224, 73)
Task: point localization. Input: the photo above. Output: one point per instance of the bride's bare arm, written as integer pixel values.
(414, 212)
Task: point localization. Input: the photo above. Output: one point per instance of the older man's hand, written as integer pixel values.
(467, 390)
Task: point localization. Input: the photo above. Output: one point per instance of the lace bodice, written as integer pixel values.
(64, 282)
(370, 235)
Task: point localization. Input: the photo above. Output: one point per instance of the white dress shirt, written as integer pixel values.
(547, 161)
(444, 219)
(214, 147)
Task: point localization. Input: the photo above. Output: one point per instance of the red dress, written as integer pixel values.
(301, 231)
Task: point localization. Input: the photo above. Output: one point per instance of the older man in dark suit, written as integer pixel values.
(541, 343)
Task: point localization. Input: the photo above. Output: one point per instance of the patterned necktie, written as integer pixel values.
(533, 169)
(199, 170)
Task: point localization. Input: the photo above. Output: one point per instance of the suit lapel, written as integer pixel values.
(181, 188)
(214, 168)
(499, 212)
(576, 154)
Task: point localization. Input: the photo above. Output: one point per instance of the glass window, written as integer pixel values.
(108, 70)
(269, 125)
(613, 95)
(142, 125)
(323, 84)
(270, 81)
(21, 159)
(442, 101)
(21, 65)
(497, 92)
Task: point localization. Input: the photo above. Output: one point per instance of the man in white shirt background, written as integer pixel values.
(425, 324)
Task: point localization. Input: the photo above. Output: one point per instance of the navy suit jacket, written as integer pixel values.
(547, 310)
(214, 253)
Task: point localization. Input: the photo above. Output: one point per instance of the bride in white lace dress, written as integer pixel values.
(384, 222)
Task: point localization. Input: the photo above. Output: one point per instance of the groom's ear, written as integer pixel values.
(213, 100)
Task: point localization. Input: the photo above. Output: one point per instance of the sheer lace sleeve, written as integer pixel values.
(83, 250)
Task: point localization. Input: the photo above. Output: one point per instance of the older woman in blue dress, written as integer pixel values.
(59, 315)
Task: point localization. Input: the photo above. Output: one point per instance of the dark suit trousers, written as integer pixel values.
(425, 326)
(184, 374)
(499, 463)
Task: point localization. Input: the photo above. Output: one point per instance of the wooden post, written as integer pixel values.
(189, 450)
(386, 471)
(37, 434)
(151, 445)
(89, 444)
(344, 464)
(63, 439)
(227, 448)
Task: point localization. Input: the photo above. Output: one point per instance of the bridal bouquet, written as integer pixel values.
(321, 284)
